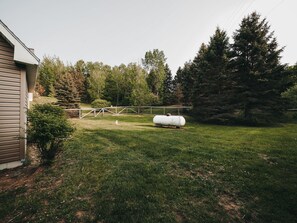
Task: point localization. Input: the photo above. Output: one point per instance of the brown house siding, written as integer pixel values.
(11, 110)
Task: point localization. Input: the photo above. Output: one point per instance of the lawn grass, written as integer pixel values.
(43, 100)
(51, 100)
(135, 172)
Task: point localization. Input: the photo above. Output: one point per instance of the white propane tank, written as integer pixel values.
(169, 120)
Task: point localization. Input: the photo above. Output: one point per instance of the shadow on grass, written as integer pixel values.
(141, 183)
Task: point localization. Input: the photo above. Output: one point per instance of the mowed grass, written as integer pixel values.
(43, 100)
(135, 172)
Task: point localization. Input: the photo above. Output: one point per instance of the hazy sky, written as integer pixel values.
(121, 31)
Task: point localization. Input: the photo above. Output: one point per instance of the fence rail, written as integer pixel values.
(84, 112)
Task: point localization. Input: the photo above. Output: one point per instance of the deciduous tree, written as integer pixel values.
(49, 71)
(154, 63)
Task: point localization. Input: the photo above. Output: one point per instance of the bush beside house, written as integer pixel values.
(48, 128)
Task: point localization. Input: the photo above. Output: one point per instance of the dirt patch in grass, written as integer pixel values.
(84, 216)
(179, 217)
(266, 158)
(21, 176)
(80, 214)
(33, 155)
(231, 206)
(18, 177)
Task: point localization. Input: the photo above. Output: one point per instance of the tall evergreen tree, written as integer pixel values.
(184, 84)
(66, 92)
(167, 87)
(213, 86)
(187, 83)
(177, 87)
(258, 72)
(78, 76)
(198, 70)
(85, 96)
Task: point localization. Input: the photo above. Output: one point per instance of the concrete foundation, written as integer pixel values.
(10, 165)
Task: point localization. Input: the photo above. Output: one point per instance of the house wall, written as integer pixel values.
(13, 89)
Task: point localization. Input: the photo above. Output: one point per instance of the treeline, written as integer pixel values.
(132, 84)
(237, 81)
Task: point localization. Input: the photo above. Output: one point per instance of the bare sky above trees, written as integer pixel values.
(117, 31)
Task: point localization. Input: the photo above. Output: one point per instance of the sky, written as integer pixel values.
(121, 31)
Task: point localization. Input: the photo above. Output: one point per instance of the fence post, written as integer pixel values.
(79, 113)
(164, 110)
(178, 111)
(151, 109)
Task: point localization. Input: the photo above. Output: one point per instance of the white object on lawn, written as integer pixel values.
(169, 120)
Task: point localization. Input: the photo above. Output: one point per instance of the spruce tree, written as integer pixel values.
(177, 88)
(258, 72)
(213, 85)
(198, 70)
(187, 83)
(184, 83)
(66, 92)
(85, 96)
(167, 87)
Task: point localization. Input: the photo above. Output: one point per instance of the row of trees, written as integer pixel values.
(242, 81)
(130, 84)
(238, 82)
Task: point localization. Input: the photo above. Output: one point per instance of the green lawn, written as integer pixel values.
(135, 172)
(43, 100)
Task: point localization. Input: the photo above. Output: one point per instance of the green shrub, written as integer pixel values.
(100, 103)
(291, 96)
(47, 129)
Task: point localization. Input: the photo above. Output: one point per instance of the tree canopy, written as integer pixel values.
(154, 63)
(239, 82)
(211, 94)
(257, 70)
